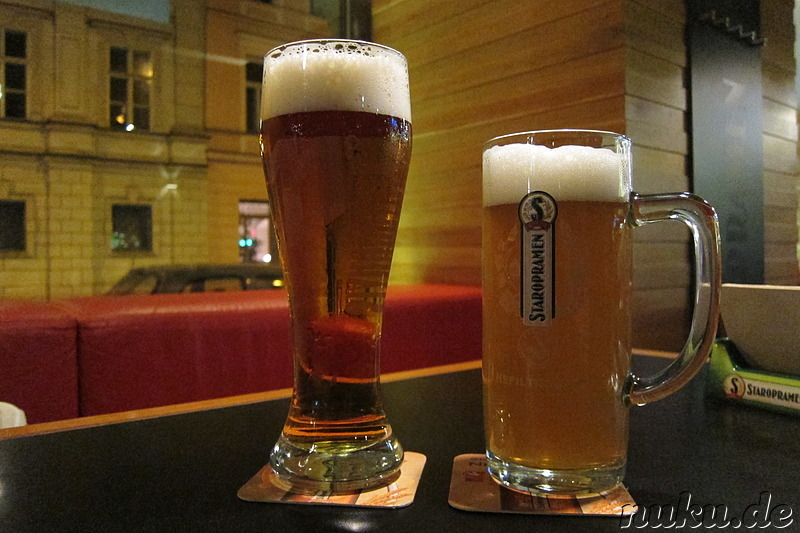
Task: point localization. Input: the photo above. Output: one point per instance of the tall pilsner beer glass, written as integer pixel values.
(336, 144)
(558, 212)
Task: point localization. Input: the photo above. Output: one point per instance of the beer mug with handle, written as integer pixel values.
(558, 213)
(336, 145)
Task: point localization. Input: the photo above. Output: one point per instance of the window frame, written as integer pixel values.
(22, 62)
(252, 115)
(21, 230)
(124, 113)
(147, 246)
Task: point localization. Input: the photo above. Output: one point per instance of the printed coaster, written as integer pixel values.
(473, 489)
(266, 486)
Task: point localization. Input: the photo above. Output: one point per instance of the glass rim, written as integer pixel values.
(329, 40)
(495, 140)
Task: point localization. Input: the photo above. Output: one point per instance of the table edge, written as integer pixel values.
(229, 401)
(203, 405)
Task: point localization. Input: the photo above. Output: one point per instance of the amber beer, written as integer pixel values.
(336, 144)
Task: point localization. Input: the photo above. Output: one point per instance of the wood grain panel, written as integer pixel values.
(391, 19)
(584, 79)
(665, 11)
(658, 265)
(780, 135)
(780, 120)
(655, 114)
(652, 32)
(776, 26)
(656, 79)
(780, 190)
(466, 27)
(480, 69)
(655, 125)
(661, 317)
(656, 171)
(780, 155)
(585, 33)
(777, 85)
(435, 152)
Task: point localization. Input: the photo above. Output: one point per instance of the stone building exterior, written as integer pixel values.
(124, 141)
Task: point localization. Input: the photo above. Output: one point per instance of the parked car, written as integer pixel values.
(173, 279)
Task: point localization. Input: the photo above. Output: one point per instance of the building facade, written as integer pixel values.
(237, 36)
(126, 141)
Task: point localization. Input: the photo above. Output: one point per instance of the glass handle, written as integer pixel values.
(702, 220)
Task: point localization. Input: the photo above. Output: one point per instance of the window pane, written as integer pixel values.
(117, 114)
(119, 59)
(254, 72)
(15, 105)
(131, 226)
(141, 92)
(141, 118)
(16, 45)
(15, 76)
(119, 90)
(12, 225)
(142, 65)
(253, 110)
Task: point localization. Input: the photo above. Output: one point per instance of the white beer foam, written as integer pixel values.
(331, 75)
(565, 172)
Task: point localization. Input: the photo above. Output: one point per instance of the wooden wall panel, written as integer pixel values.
(655, 117)
(431, 30)
(480, 69)
(780, 134)
(483, 68)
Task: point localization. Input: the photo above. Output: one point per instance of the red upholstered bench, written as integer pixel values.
(430, 325)
(38, 360)
(90, 356)
(146, 351)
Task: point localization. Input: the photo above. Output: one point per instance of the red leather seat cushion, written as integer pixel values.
(145, 351)
(430, 325)
(136, 352)
(38, 360)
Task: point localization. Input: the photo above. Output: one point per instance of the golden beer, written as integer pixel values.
(336, 152)
(556, 315)
(546, 387)
(558, 213)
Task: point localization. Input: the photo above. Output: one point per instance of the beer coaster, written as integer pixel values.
(265, 486)
(473, 489)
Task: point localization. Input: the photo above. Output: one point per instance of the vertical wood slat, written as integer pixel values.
(655, 115)
(780, 135)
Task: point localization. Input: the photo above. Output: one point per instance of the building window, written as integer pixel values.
(130, 86)
(350, 19)
(257, 240)
(132, 228)
(253, 97)
(12, 226)
(13, 73)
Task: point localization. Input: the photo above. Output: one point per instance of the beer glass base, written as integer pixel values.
(314, 469)
(547, 481)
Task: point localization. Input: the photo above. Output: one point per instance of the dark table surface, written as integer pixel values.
(182, 472)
